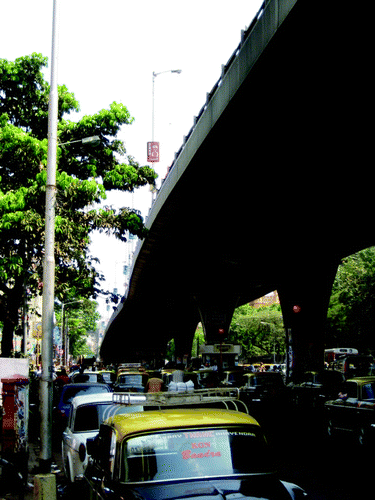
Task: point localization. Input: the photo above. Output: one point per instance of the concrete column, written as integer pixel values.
(304, 298)
(183, 338)
(216, 311)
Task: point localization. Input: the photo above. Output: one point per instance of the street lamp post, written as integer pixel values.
(154, 75)
(46, 381)
(64, 332)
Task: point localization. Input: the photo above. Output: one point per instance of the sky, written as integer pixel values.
(108, 51)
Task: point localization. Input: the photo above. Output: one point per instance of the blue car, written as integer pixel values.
(68, 392)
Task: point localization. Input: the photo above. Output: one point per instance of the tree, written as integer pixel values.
(351, 313)
(199, 339)
(83, 177)
(260, 331)
(80, 320)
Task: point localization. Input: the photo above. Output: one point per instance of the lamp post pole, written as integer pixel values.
(64, 331)
(46, 381)
(154, 75)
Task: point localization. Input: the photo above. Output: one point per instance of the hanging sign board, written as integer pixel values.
(152, 152)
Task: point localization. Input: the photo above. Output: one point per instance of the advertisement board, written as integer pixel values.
(153, 152)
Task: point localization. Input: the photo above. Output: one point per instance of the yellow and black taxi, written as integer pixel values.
(316, 387)
(195, 453)
(353, 410)
(131, 377)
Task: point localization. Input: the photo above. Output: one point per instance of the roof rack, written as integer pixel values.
(198, 396)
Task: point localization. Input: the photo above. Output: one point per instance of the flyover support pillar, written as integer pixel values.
(216, 315)
(304, 299)
(183, 339)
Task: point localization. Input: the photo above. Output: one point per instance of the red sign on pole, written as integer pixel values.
(152, 152)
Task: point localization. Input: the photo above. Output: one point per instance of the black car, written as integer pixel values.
(353, 411)
(316, 387)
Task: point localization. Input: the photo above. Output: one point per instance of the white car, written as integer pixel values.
(86, 415)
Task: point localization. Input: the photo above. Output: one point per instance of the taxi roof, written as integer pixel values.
(362, 380)
(180, 418)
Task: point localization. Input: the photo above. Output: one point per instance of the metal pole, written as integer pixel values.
(64, 335)
(46, 388)
(24, 321)
(153, 106)
(64, 329)
(154, 75)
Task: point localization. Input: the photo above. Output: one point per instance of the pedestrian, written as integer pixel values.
(178, 375)
(154, 384)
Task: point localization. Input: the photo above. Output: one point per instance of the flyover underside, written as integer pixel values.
(276, 192)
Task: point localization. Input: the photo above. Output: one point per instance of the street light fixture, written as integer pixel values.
(86, 141)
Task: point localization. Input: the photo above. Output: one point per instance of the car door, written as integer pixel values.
(346, 411)
(67, 442)
(101, 472)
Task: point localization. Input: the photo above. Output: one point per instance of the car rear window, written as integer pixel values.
(191, 453)
(130, 379)
(87, 377)
(89, 417)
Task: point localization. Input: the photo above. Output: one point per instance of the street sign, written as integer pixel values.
(153, 152)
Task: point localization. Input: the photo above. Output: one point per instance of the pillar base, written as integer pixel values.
(45, 487)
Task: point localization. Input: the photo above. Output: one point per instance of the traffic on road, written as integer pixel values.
(245, 431)
(136, 436)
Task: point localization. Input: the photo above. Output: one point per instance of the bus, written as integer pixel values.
(332, 355)
(349, 362)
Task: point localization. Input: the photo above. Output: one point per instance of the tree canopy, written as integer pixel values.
(84, 176)
(260, 331)
(80, 320)
(350, 317)
(351, 313)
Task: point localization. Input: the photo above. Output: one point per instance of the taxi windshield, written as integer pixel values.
(368, 391)
(192, 453)
(130, 378)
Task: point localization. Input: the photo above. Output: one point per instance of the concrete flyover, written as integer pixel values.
(270, 189)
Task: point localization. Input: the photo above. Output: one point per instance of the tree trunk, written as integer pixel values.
(10, 307)
(7, 340)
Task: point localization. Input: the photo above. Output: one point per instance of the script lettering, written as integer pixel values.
(187, 454)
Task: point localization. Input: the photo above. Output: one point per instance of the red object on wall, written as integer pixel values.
(15, 413)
